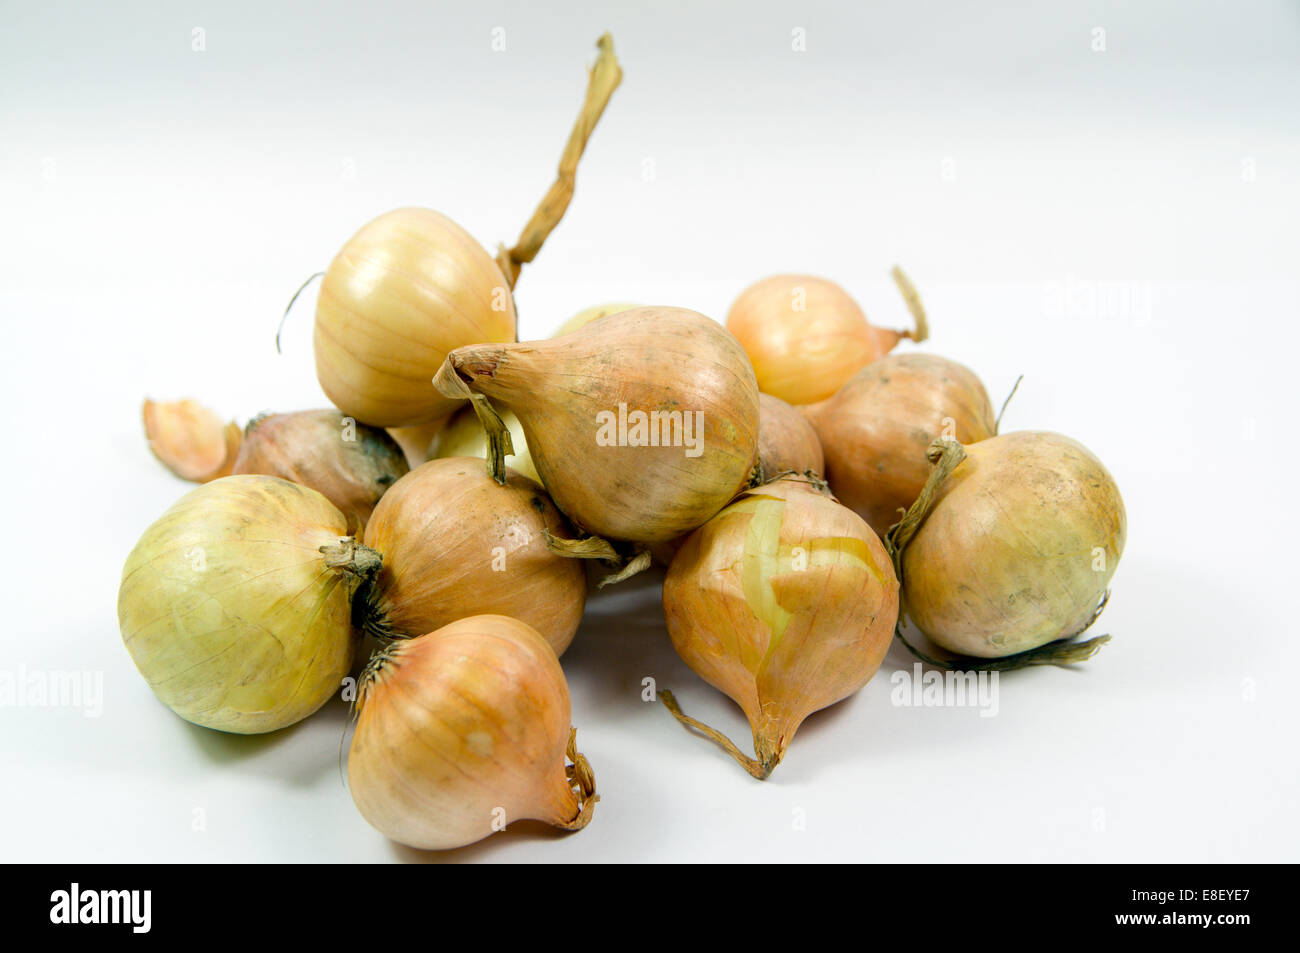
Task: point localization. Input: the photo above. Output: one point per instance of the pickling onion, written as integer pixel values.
(350, 464)
(786, 440)
(642, 424)
(463, 731)
(587, 315)
(806, 336)
(786, 602)
(236, 605)
(1009, 552)
(876, 429)
(457, 544)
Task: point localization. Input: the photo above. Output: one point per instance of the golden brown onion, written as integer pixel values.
(642, 424)
(786, 440)
(463, 731)
(349, 463)
(457, 544)
(786, 602)
(405, 290)
(876, 429)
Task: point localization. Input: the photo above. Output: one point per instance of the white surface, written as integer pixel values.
(161, 204)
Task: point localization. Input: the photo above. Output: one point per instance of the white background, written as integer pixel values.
(158, 206)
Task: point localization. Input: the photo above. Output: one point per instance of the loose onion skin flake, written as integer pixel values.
(786, 602)
(642, 424)
(876, 429)
(236, 605)
(350, 464)
(463, 731)
(1008, 554)
(457, 544)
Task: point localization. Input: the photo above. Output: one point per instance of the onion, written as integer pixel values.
(416, 440)
(456, 544)
(786, 602)
(786, 440)
(807, 337)
(876, 429)
(190, 440)
(236, 605)
(642, 424)
(587, 315)
(463, 731)
(350, 464)
(464, 437)
(406, 289)
(1011, 547)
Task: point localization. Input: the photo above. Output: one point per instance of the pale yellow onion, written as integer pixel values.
(806, 336)
(405, 290)
(236, 605)
(463, 731)
(786, 440)
(576, 397)
(587, 315)
(463, 436)
(786, 602)
(876, 429)
(351, 464)
(1018, 547)
(457, 544)
(416, 439)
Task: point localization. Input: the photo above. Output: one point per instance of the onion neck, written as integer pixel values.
(770, 750)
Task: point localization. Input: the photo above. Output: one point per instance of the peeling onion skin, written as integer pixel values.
(805, 354)
(457, 544)
(1004, 562)
(651, 359)
(406, 289)
(786, 440)
(876, 429)
(312, 448)
(464, 437)
(228, 608)
(460, 723)
(735, 578)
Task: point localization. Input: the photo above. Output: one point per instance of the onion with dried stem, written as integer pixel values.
(806, 336)
(463, 731)
(412, 285)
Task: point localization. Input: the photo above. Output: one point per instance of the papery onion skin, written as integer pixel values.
(875, 430)
(460, 730)
(463, 436)
(786, 440)
(648, 360)
(1018, 549)
(230, 611)
(805, 335)
(191, 440)
(780, 640)
(457, 544)
(406, 289)
(349, 463)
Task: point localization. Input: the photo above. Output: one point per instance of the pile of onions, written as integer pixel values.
(236, 605)
(877, 428)
(350, 464)
(463, 731)
(1010, 549)
(463, 436)
(642, 425)
(786, 602)
(405, 290)
(806, 336)
(457, 544)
